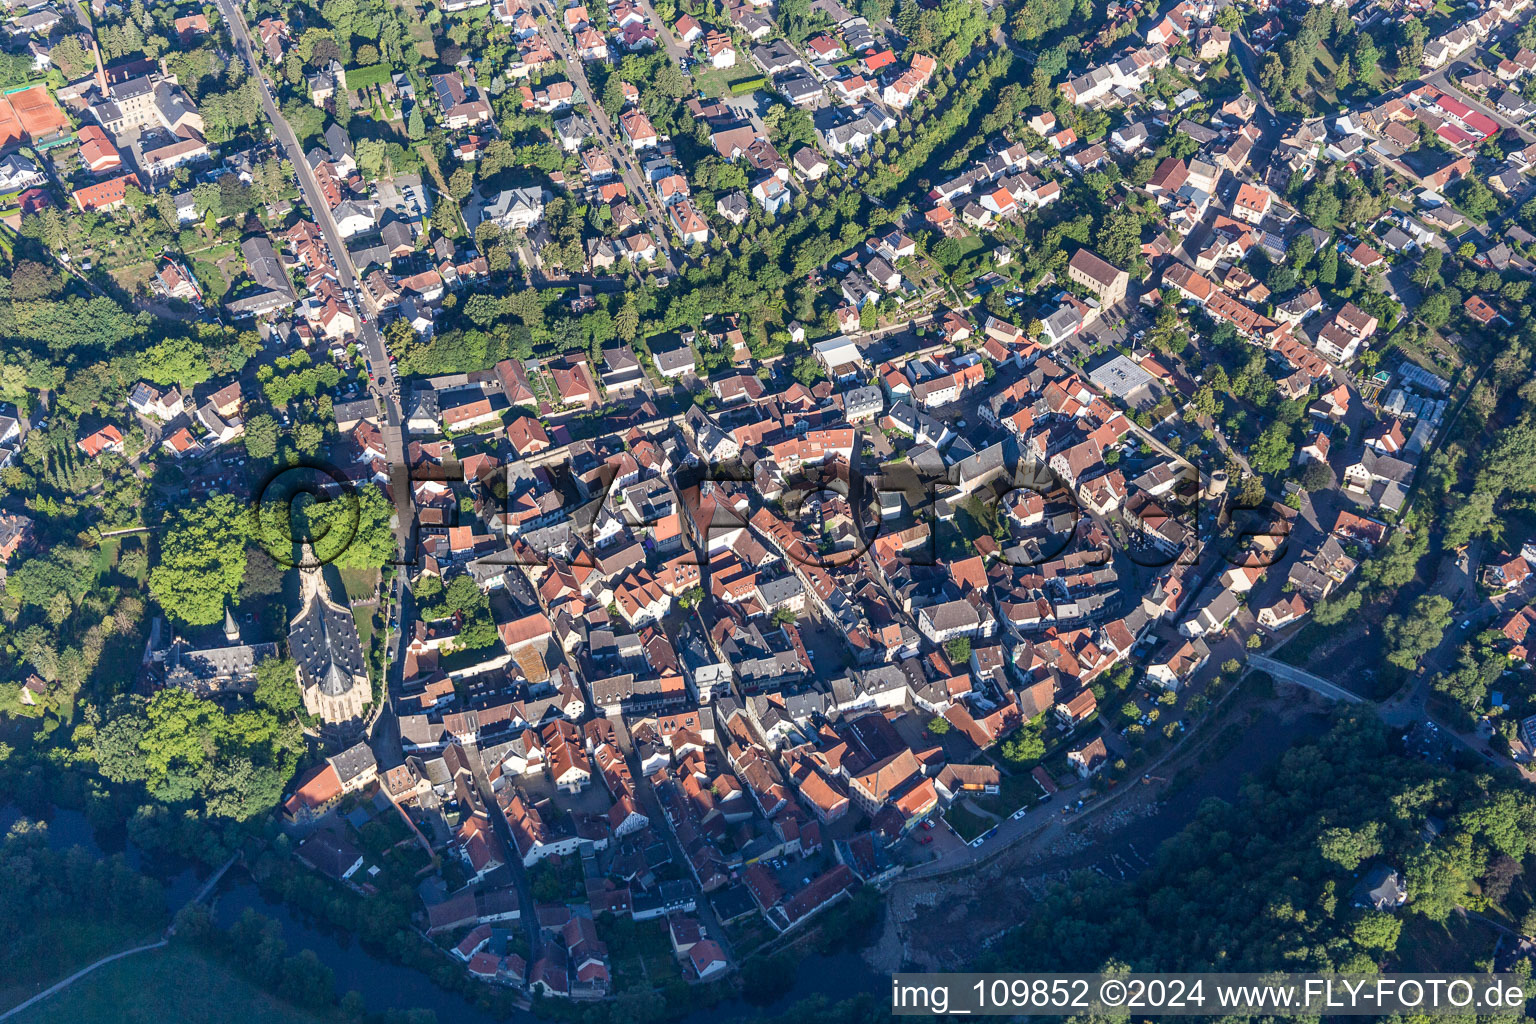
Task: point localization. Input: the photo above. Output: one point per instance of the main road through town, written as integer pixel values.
(372, 341)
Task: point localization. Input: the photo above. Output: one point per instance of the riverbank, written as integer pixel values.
(171, 984)
(1254, 732)
(937, 924)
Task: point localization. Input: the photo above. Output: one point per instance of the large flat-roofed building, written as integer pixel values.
(1122, 378)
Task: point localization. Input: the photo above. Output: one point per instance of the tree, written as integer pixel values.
(263, 576)
(1300, 251)
(33, 280)
(307, 438)
(1427, 273)
(1476, 200)
(1500, 877)
(1377, 931)
(1025, 746)
(180, 360)
(1410, 637)
(353, 530)
(306, 120)
(55, 582)
(1328, 265)
(202, 560)
(1439, 878)
(261, 436)
(1317, 476)
(70, 57)
(277, 686)
(1273, 451)
(1349, 848)
(958, 649)
(1365, 57)
(1119, 240)
(1435, 311)
(370, 156)
(627, 321)
(807, 370)
(1474, 517)
(938, 725)
(1206, 403)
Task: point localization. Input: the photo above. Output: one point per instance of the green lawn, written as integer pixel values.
(172, 984)
(970, 245)
(717, 82)
(70, 945)
(1454, 945)
(214, 284)
(364, 619)
(968, 825)
(1018, 789)
(361, 78)
(359, 582)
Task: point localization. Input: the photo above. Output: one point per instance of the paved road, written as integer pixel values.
(18, 1008)
(372, 341)
(623, 154)
(674, 49)
(650, 805)
(529, 917)
(165, 939)
(1443, 80)
(1247, 60)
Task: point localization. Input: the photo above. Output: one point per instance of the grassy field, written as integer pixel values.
(70, 945)
(968, 825)
(131, 278)
(361, 78)
(1018, 789)
(210, 275)
(1427, 946)
(171, 984)
(717, 82)
(359, 582)
(364, 619)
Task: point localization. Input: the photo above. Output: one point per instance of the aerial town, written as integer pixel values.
(605, 505)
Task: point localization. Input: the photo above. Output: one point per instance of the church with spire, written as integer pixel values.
(324, 645)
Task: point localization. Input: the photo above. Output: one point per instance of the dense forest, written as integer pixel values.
(1266, 882)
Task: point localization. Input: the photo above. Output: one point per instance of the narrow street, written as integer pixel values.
(650, 805)
(529, 918)
(391, 424)
(623, 154)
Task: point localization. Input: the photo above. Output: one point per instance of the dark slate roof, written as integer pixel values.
(323, 642)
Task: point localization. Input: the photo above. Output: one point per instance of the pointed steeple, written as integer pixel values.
(231, 628)
(310, 582)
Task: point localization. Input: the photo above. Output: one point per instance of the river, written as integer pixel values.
(1260, 745)
(385, 985)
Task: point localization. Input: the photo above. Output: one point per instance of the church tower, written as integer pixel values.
(323, 642)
